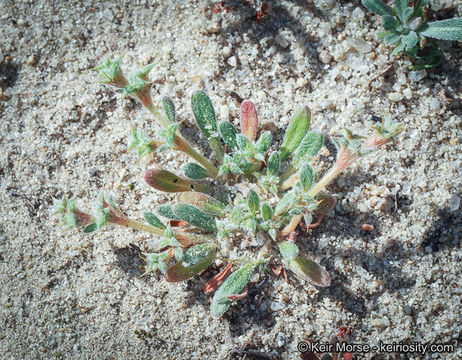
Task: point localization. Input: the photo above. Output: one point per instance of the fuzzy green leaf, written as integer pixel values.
(389, 22)
(288, 250)
(196, 259)
(398, 49)
(204, 202)
(378, 7)
(400, 6)
(274, 162)
(410, 40)
(266, 212)
(233, 285)
(253, 201)
(314, 272)
(153, 220)
(309, 146)
(204, 113)
(289, 200)
(392, 39)
(169, 109)
(296, 131)
(450, 29)
(195, 172)
(264, 142)
(407, 13)
(243, 143)
(228, 133)
(192, 215)
(167, 211)
(419, 7)
(306, 176)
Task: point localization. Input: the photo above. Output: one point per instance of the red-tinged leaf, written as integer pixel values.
(249, 120)
(167, 181)
(178, 223)
(195, 260)
(217, 280)
(347, 356)
(310, 270)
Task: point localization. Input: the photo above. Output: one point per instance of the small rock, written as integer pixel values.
(31, 60)
(395, 97)
(407, 93)
(280, 339)
(435, 104)
(226, 51)
(276, 306)
(232, 61)
(325, 57)
(415, 76)
(281, 41)
(379, 323)
(408, 310)
(361, 45)
(454, 203)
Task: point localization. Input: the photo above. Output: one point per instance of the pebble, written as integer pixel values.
(435, 104)
(232, 61)
(281, 41)
(416, 76)
(454, 203)
(361, 45)
(31, 60)
(325, 57)
(280, 340)
(276, 306)
(407, 93)
(395, 97)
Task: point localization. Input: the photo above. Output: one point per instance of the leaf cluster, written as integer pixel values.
(408, 31)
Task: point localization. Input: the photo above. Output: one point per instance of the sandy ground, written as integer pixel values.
(67, 295)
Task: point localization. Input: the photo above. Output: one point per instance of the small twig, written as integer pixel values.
(383, 72)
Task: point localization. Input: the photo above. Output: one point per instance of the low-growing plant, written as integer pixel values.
(253, 191)
(408, 30)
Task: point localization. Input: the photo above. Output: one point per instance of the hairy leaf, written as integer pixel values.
(204, 113)
(196, 259)
(192, 215)
(274, 162)
(233, 285)
(167, 211)
(153, 220)
(309, 146)
(204, 202)
(378, 7)
(228, 133)
(288, 201)
(266, 211)
(288, 250)
(450, 29)
(169, 109)
(306, 176)
(389, 22)
(296, 131)
(410, 40)
(400, 6)
(253, 201)
(264, 142)
(195, 172)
